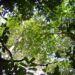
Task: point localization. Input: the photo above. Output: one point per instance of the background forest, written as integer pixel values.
(37, 33)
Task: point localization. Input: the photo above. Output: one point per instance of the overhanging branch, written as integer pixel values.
(6, 48)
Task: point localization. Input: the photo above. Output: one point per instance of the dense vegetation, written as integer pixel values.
(37, 33)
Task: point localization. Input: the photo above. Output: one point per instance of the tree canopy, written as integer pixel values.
(37, 33)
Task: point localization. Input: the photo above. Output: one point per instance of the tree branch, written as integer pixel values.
(5, 47)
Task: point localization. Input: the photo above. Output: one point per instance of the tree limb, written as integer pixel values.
(5, 47)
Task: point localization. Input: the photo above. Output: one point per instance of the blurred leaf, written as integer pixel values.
(23, 64)
(33, 64)
(21, 71)
(27, 60)
(29, 73)
(34, 69)
(5, 39)
(33, 59)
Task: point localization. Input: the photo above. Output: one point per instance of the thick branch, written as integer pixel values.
(5, 47)
(4, 60)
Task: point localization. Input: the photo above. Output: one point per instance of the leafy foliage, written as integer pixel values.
(37, 32)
